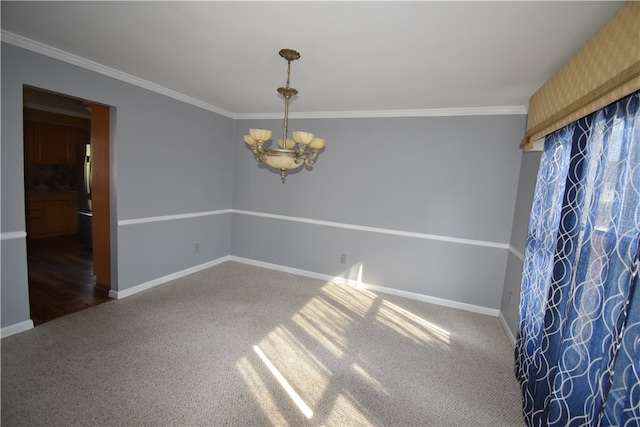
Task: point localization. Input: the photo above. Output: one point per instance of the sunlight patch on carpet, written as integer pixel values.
(261, 392)
(346, 412)
(355, 300)
(325, 324)
(306, 411)
(411, 326)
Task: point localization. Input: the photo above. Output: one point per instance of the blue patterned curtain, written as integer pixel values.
(578, 347)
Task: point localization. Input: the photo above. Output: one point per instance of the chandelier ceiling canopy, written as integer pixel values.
(292, 153)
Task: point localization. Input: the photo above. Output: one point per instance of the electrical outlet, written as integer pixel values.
(343, 259)
(196, 247)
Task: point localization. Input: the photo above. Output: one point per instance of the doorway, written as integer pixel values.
(62, 267)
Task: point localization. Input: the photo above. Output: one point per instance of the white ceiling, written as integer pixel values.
(363, 56)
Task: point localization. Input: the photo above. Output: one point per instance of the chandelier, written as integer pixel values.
(291, 153)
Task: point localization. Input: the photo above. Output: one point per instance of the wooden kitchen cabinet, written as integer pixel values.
(52, 144)
(75, 137)
(30, 145)
(35, 218)
(53, 139)
(51, 214)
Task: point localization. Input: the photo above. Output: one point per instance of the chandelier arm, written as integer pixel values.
(259, 153)
(312, 158)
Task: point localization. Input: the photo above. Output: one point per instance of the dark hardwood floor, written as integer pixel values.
(61, 279)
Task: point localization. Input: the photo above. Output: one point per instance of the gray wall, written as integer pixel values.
(444, 177)
(511, 292)
(13, 279)
(168, 158)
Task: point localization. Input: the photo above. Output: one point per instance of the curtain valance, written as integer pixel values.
(606, 68)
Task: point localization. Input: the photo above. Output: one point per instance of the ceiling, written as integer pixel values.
(362, 57)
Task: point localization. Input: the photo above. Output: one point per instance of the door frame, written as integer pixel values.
(100, 194)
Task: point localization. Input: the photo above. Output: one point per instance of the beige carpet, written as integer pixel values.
(245, 346)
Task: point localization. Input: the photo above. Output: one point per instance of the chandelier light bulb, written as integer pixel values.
(249, 140)
(290, 143)
(303, 137)
(260, 134)
(317, 144)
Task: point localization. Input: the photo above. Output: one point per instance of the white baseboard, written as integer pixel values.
(282, 268)
(159, 281)
(16, 328)
(507, 330)
(374, 288)
(26, 325)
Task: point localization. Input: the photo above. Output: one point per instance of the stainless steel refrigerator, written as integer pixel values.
(85, 214)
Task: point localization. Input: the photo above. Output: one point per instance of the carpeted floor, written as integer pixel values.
(245, 346)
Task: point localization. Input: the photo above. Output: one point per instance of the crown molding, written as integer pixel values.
(364, 114)
(79, 61)
(52, 52)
